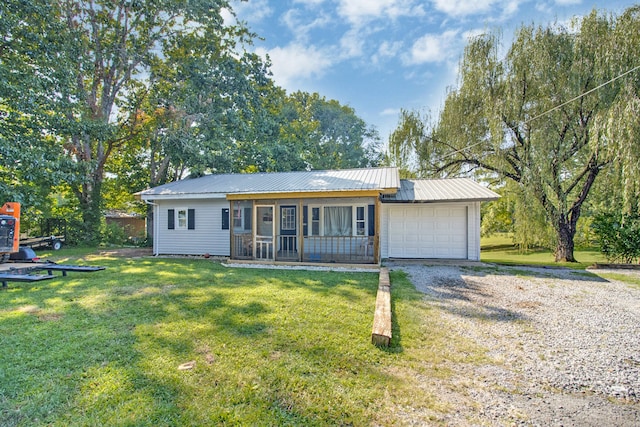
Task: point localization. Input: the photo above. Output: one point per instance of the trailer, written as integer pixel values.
(53, 242)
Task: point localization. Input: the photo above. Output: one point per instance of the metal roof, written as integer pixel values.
(441, 190)
(218, 186)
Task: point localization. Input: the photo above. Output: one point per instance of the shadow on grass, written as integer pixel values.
(105, 347)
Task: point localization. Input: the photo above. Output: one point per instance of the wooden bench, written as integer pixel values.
(51, 267)
(30, 274)
(16, 277)
(381, 334)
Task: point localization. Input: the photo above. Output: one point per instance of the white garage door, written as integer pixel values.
(424, 231)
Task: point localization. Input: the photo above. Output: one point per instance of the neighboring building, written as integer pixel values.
(134, 225)
(352, 216)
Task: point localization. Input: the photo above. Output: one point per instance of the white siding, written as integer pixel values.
(432, 230)
(207, 237)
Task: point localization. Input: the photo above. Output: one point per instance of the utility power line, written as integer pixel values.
(554, 108)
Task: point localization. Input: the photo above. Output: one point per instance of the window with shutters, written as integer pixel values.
(181, 219)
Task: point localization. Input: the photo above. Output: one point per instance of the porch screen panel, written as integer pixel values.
(337, 221)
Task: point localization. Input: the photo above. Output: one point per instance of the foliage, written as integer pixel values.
(618, 236)
(290, 347)
(81, 71)
(549, 116)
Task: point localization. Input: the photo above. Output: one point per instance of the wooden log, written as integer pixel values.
(381, 334)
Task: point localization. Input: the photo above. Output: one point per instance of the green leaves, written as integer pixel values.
(549, 116)
(618, 236)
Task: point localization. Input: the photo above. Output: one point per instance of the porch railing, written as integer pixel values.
(242, 246)
(345, 249)
(353, 249)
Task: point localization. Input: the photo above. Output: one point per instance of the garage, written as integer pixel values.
(428, 231)
(433, 219)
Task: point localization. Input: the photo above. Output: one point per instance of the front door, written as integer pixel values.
(288, 229)
(264, 233)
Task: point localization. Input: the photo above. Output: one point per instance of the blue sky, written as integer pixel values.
(379, 56)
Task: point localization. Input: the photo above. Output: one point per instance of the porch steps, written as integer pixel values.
(381, 334)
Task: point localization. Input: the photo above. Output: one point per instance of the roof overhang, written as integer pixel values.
(304, 195)
(174, 196)
(385, 201)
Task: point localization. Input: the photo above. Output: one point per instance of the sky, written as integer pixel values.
(381, 56)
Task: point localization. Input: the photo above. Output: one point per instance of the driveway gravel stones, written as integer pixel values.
(563, 345)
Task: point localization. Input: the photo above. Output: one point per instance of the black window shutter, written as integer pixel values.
(372, 220)
(305, 215)
(247, 218)
(171, 216)
(225, 219)
(191, 219)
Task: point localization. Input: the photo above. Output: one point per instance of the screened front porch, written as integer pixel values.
(333, 231)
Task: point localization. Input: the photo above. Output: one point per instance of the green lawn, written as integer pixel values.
(499, 249)
(265, 347)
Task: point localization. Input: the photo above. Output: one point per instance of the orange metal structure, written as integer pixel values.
(9, 229)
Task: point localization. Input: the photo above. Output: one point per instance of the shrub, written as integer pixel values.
(618, 236)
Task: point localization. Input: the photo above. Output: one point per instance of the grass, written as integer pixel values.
(633, 281)
(260, 347)
(500, 249)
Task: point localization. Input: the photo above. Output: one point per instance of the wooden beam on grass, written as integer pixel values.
(381, 334)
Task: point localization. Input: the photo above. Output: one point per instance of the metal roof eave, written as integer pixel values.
(180, 196)
(305, 194)
(460, 200)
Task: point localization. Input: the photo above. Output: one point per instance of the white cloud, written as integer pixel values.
(295, 21)
(568, 2)
(433, 48)
(254, 11)
(309, 2)
(501, 9)
(351, 44)
(296, 62)
(471, 34)
(358, 12)
(390, 112)
(463, 7)
(387, 50)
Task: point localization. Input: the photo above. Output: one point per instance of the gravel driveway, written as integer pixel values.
(564, 346)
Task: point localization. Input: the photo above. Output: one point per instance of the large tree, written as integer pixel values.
(323, 134)
(558, 108)
(89, 64)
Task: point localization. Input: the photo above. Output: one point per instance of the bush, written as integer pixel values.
(114, 235)
(618, 236)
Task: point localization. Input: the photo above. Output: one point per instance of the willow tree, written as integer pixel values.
(560, 106)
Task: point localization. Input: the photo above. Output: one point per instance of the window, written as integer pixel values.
(337, 221)
(344, 220)
(181, 219)
(360, 221)
(288, 219)
(315, 221)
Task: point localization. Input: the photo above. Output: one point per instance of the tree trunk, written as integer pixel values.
(566, 232)
(90, 197)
